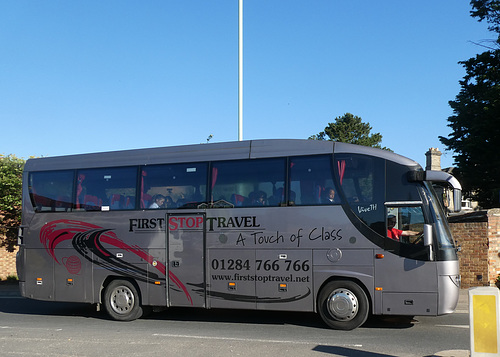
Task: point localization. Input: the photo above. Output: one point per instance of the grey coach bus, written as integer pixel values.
(295, 225)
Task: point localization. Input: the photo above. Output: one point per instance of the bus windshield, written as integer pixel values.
(445, 245)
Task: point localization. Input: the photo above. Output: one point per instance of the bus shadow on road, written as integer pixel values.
(262, 317)
(348, 352)
(22, 306)
(390, 322)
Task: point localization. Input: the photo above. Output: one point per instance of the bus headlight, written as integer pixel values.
(456, 279)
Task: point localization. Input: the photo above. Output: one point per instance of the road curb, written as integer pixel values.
(452, 353)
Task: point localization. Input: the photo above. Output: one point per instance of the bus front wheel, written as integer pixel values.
(121, 301)
(343, 305)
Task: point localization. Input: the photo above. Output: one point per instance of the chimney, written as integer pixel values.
(433, 161)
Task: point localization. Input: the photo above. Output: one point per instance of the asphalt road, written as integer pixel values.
(38, 328)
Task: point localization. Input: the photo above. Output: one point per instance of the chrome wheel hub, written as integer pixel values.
(122, 300)
(342, 305)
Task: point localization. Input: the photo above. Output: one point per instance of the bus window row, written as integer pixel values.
(239, 183)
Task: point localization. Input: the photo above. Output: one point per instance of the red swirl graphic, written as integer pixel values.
(88, 240)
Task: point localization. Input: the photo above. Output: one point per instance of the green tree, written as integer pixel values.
(11, 171)
(350, 129)
(488, 10)
(475, 123)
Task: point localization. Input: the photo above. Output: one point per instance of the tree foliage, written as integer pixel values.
(488, 10)
(475, 123)
(350, 129)
(11, 171)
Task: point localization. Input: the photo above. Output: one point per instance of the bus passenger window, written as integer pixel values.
(106, 189)
(173, 186)
(51, 191)
(311, 181)
(362, 182)
(248, 183)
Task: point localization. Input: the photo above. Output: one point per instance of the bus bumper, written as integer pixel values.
(449, 291)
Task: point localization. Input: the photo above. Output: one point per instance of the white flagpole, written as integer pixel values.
(240, 71)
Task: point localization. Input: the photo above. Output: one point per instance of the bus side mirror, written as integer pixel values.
(428, 240)
(457, 200)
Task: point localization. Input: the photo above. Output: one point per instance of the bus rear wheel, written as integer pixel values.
(343, 305)
(121, 301)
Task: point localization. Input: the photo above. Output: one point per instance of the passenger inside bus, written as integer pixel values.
(169, 202)
(158, 201)
(330, 196)
(182, 200)
(259, 198)
(238, 200)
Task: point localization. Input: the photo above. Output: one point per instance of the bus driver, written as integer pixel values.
(395, 233)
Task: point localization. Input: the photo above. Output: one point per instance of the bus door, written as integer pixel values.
(403, 272)
(186, 259)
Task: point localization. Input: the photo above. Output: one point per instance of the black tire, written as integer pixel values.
(122, 301)
(343, 305)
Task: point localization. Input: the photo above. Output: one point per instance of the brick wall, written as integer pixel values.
(478, 235)
(494, 245)
(7, 263)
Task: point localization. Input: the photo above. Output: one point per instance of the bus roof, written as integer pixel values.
(249, 149)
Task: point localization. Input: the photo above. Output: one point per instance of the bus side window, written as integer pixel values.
(248, 183)
(51, 191)
(177, 186)
(311, 181)
(362, 182)
(106, 189)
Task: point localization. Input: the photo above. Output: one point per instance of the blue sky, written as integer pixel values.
(87, 76)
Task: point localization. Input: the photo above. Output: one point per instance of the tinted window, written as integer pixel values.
(405, 224)
(311, 181)
(249, 183)
(51, 190)
(173, 186)
(398, 187)
(405, 227)
(106, 189)
(362, 181)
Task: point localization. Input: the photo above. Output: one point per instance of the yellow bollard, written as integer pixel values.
(484, 308)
